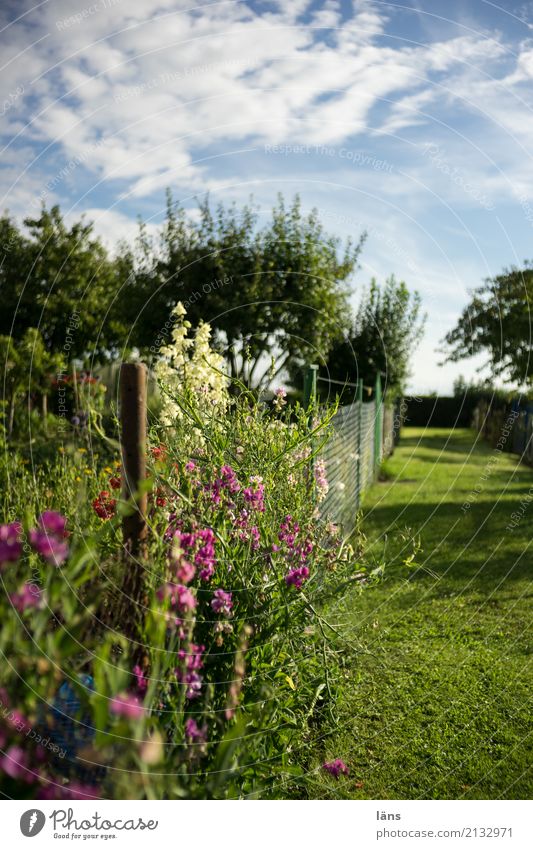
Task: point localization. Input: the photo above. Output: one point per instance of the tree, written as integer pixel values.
(61, 280)
(386, 329)
(28, 369)
(276, 292)
(497, 322)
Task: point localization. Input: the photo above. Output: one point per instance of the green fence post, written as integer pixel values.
(310, 385)
(378, 423)
(359, 461)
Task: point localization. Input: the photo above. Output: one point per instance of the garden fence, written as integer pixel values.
(362, 435)
(508, 427)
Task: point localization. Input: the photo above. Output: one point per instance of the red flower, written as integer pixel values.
(104, 506)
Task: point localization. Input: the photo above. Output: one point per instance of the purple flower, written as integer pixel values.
(297, 576)
(53, 550)
(181, 598)
(229, 479)
(222, 602)
(10, 542)
(336, 767)
(29, 596)
(255, 495)
(53, 523)
(142, 681)
(190, 466)
(126, 705)
(194, 734)
(15, 764)
(193, 682)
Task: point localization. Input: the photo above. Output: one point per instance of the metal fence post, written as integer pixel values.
(378, 421)
(309, 394)
(359, 396)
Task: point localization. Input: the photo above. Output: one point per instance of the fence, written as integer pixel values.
(362, 434)
(508, 427)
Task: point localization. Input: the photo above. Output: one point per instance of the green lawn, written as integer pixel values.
(437, 703)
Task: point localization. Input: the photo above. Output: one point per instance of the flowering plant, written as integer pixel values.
(211, 678)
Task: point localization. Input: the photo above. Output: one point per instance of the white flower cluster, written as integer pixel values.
(190, 367)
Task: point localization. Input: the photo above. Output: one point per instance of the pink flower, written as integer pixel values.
(15, 764)
(254, 496)
(10, 542)
(193, 682)
(193, 658)
(321, 480)
(29, 596)
(53, 523)
(50, 548)
(181, 598)
(142, 681)
(297, 576)
(185, 572)
(126, 705)
(194, 734)
(336, 767)
(222, 602)
(190, 466)
(280, 396)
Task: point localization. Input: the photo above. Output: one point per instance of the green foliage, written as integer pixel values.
(497, 322)
(277, 291)
(386, 329)
(60, 280)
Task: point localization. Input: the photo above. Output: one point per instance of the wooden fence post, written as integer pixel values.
(133, 438)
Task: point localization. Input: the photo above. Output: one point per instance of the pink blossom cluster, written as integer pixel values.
(179, 596)
(296, 549)
(222, 602)
(47, 539)
(198, 546)
(247, 532)
(336, 767)
(321, 481)
(254, 495)
(187, 673)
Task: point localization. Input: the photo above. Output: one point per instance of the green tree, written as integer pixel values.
(386, 329)
(61, 280)
(276, 292)
(497, 322)
(28, 369)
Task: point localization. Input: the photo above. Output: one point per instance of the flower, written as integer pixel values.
(29, 596)
(10, 542)
(127, 705)
(321, 480)
(115, 482)
(104, 506)
(53, 523)
(297, 576)
(336, 767)
(279, 400)
(142, 681)
(192, 681)
(50, 548)
(15, 764)
(194, 734)
(254, 495)
(180, 597)
(222, 602)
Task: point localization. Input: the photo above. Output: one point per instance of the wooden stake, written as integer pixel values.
(133, 421)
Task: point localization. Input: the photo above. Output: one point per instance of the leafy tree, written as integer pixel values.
(27, 371)
(497, 322)
(61, 280)
(385, 331)
(272, 293)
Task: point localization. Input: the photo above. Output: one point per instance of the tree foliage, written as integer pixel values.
(497, 322)
(272, 292)
(62, 281)
(385, 331)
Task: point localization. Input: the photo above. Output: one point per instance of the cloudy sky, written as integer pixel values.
(410, 119)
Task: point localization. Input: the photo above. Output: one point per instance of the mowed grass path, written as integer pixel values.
(437, 703)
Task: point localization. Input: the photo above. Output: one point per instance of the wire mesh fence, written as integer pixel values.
(361, 435)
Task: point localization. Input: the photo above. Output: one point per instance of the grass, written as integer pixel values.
(437, 702)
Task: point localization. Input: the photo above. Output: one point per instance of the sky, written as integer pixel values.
(412, 121)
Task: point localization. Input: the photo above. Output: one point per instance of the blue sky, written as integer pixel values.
(410, 120)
